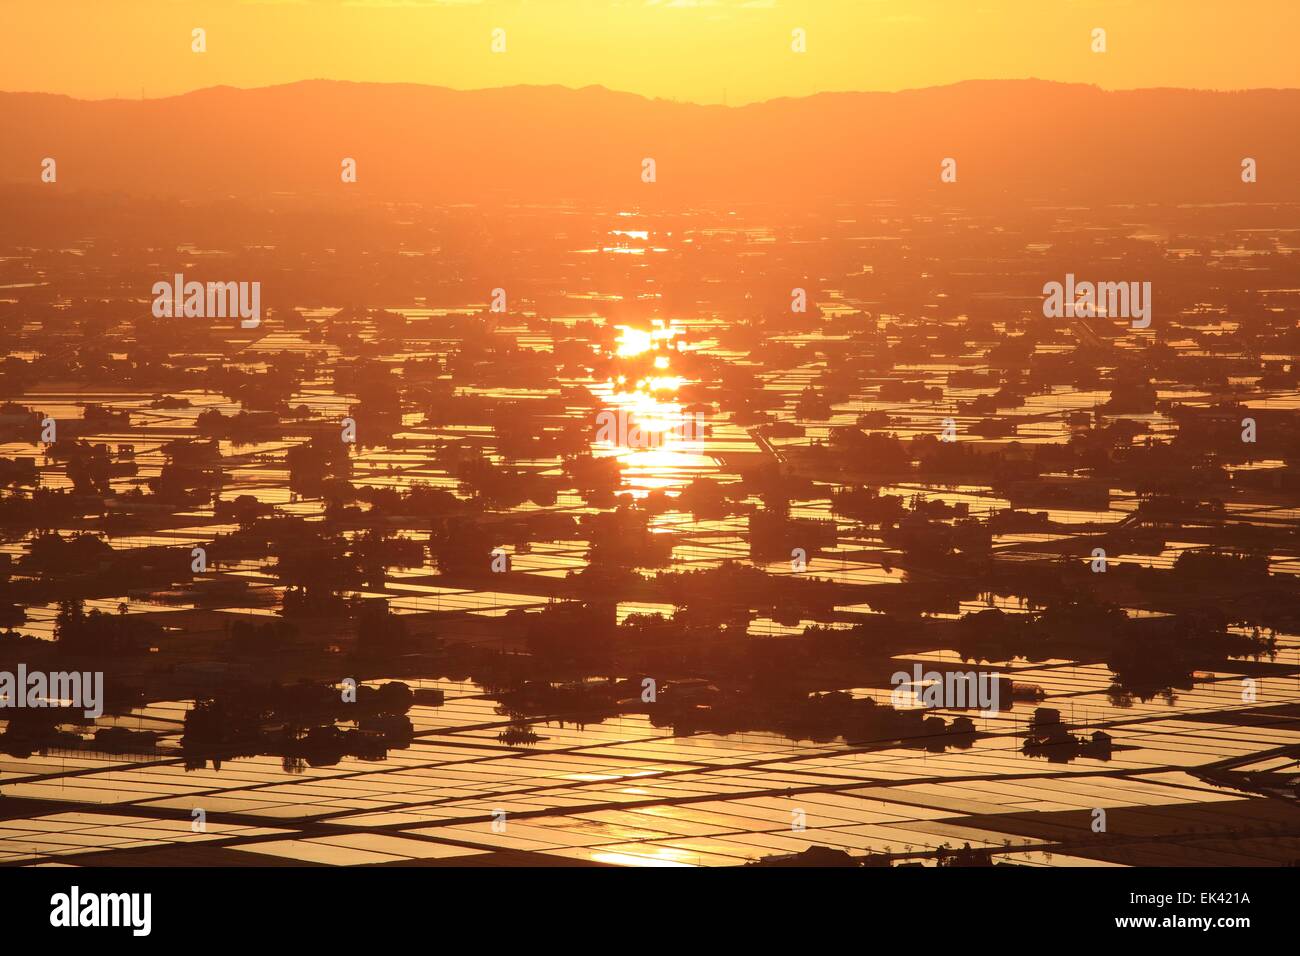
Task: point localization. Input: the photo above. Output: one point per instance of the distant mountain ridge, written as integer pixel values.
(1011, 139)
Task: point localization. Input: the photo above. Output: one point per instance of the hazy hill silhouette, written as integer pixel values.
(1011, 139)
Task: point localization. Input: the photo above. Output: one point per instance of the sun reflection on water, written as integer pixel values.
(657, 440)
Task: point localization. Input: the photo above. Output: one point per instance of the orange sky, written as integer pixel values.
(699, 50)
